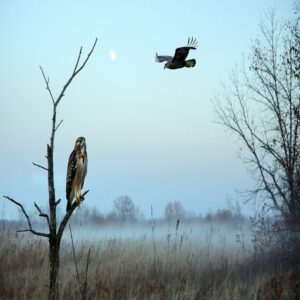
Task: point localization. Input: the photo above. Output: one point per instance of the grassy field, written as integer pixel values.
(161, 263)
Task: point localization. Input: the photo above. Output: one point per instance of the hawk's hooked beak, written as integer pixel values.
(83, 148)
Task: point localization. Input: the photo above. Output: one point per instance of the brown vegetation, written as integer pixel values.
(176, 268)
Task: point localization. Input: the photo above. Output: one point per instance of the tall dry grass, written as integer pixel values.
(146, 267)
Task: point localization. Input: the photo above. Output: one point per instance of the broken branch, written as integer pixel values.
(39, 166)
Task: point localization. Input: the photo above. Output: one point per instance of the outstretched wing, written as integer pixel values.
(161, 58)
(71, 171)
(182, 52)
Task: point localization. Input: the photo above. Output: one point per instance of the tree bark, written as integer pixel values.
(54, 245)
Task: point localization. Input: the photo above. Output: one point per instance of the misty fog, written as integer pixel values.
(214, 239)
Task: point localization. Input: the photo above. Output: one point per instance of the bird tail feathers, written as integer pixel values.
(190, 63)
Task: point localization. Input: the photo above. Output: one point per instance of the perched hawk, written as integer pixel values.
(77, 168)
(179, 59)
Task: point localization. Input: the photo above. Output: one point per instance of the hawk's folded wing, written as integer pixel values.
(72, 165)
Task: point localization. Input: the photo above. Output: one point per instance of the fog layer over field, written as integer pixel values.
(216, 239)
(158, 259)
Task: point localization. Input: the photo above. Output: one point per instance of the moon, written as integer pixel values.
(112, 55)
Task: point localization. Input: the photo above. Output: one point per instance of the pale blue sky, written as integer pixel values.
(150, 132)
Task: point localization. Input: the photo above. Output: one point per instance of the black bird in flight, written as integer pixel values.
(179, 59)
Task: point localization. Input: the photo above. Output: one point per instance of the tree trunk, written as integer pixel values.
(54, 245)
(54, 236)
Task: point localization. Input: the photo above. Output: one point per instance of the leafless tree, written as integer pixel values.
(55, 231)
(174, 211)
(261, 107)
(125, 209)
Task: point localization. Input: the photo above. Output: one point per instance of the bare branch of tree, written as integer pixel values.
(76, 71)
(77, 62)
(27, 218)
(58, 125)
(86, 60)
(39, 166)
(68, 215)
(47, 85)
(42, 214)
(262, 108)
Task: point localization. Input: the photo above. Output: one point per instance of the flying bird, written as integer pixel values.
(179, 59)
(76, 172)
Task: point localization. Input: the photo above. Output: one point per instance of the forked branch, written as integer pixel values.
(76, 70)
(68, 215)
(27, 218)
(42, 214)
(87, 58)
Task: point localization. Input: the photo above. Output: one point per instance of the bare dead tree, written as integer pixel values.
(55, 231)
(261, 107)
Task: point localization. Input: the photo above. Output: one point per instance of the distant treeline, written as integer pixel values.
(125, 211)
